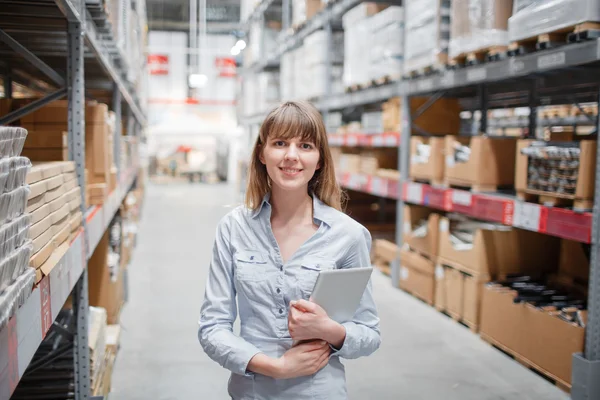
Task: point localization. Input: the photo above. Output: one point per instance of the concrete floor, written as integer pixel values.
(424, 355)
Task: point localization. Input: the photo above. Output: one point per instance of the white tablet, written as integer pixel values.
(339, 291)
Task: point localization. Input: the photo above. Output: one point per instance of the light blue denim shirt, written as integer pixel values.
(246, 264)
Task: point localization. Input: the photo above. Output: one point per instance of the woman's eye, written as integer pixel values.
(279, 143)
(307, 146)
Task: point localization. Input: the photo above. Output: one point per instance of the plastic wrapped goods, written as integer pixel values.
(15, 295)
(427, 34)
(12, 140)
(387, 47)
(544, 16)
(478, 25)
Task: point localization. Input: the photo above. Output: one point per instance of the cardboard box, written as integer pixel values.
(57, 112)
(37, 189)
(42, 240)
(58, 216)
(73, 194)
(35, 203)
(46, 154)
(54, 194)
(105, 287)
(52, 139)
(385, 250)
(425, 242)
(496, 254)
(417, 275)
(442, 118)
(41, 256)
(449, 291)
(41, 226)
(57, 204)
(541, 338)
(34, 175)
(586, 175)
(425, 168)
(54, 259)
(61, 232)
(75, 221)
(491, 163)
(372, 160)
(75, 204)
(39, 214)
(574, 261)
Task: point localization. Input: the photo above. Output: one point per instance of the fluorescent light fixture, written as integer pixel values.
(197, 80)
(235, 51)
(240, 44)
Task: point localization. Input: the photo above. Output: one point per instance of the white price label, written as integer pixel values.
(439, 272)
(352, 140)
(407, 228)
(414, 193)
(448, 79)
(527, 216)
(425, 84)
(379, 186)
(391, 141)
(552, 60)
(461, 197)
(377, 140)
(354, 181)
(515, 65)
(444, 225)
(403, 273)
(476, 74)
(450, 161)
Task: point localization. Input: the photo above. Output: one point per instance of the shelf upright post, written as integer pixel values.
(286, 15)
(116, 100)
(403, 155)
(586, 367)
(533, 104)
(76, 139)
(7, 81)
(329, 49)
(483, 107)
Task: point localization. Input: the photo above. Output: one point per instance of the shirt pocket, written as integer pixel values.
(251, 265)
(309, 272)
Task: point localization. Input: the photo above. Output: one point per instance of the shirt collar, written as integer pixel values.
(320, 209)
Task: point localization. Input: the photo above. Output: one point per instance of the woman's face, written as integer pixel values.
(290, 163)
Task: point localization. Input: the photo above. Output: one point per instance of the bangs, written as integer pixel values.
(290, 121)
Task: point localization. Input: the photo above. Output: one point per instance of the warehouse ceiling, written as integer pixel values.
(223, 16)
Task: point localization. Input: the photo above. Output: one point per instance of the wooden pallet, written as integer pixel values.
(555, 199)
(570, 34)
(487, 54)
(565, 386)
(456, 318)
(385, 80)
(425, 71)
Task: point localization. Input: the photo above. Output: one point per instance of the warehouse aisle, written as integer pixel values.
(424, 356)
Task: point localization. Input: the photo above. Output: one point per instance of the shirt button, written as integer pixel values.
(278, 290)
(281, 311)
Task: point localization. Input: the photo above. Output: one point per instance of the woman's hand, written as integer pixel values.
(303, 359)
(308, 320)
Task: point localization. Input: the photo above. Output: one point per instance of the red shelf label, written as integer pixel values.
(435, 197)
(46, 314)
(490, 209)
(393, 189)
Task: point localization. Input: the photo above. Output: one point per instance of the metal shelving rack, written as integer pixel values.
(55, 48)
(565, 74)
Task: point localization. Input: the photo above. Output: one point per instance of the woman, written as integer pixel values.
(269, 253)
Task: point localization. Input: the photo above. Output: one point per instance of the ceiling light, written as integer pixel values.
(235, 51)
(240, 44)
(197, 80)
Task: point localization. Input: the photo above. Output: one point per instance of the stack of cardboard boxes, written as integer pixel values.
(47, 141)
(54, 205)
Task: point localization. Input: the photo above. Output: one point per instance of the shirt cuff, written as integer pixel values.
(238, 364)
(348, 340)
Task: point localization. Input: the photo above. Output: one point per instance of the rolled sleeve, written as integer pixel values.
(363, 336)
(219, 311)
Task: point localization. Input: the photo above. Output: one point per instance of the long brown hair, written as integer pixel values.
(294, 119)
